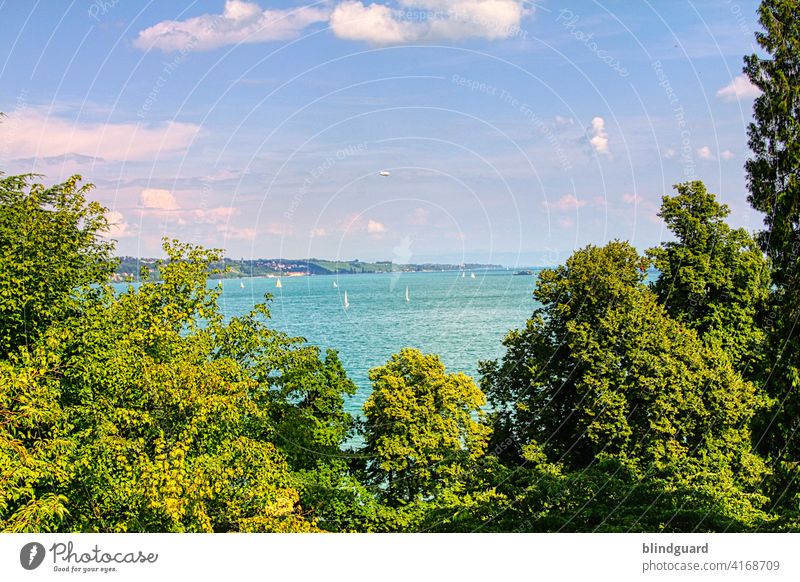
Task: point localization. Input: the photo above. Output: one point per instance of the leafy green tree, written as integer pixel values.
(602, 373)
(150, 423)
(533, 389)
(773, 179)
(712, 278)
(422, 426)
(773, 171)
(52, 251)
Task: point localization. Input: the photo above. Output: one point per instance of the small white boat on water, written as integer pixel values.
(463, 275)
(278, 285)
(407, 297)
(472, 275)
(335, 285)
(241, 284)
(346, 302)
(384, 173)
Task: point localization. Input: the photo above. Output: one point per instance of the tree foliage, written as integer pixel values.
(52, 251)
(712, 278)
(422, 425)
(601, 372)
(773, 179)
(146, 410)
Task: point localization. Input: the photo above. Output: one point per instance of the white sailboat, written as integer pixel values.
(278, 285)
(463, 275)
(335, 285)
(472, 275)
(346, 302)
(241, 284)
(407, 297)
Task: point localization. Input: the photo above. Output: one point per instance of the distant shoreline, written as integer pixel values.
(128, 268)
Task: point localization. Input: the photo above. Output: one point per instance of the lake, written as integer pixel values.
(460, 318)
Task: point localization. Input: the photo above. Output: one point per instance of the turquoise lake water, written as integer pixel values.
(461, 319)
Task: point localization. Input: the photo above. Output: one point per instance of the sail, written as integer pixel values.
(472, 275)
(278, 284)
(241, 285)
(335, 285)
(407, 297)
(346, 302)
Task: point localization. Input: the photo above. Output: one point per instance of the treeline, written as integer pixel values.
(141, 269)
(622, 405)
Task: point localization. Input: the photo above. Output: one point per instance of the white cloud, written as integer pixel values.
(240, 233)
(561, 120)
(36, 134)
(157, 199)
(631, 198)
(705, 153)
(599, 139)
(727, 155)
(240, 22)
(212, 215)
(669, 153)
(319, 232)
(739, 88)
(428, 20)
(118, 227)
(375, 227)
(567, 202)
(374, 24)
(163, 203)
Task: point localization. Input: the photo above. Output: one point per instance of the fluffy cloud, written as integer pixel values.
(705, 153)
(162, 203)
(739, 88)
(33, 133)
(631, 198)
(727, 155)
(375, 227)
(374, 23)
(157, 199)
(427, 20)
(567, 202)
(118, 226)
(212, 215)
(239, 233)
(669, 153)
(599, 139)
(240, 22)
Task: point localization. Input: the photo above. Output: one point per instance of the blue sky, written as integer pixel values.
(513, 131)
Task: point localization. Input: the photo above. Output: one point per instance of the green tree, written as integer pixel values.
(143, 418)
(773, 179)
(422, 426)
(52, 251)
(602, 373)
(712, 278)
(773, 170)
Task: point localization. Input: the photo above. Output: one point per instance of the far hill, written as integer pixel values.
(130, 267)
